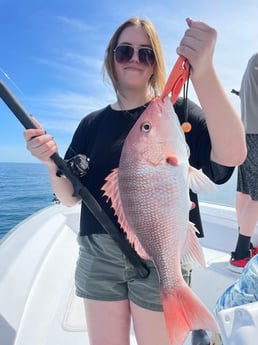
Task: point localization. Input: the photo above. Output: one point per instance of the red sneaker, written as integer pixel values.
(254, 251)
(237, 265)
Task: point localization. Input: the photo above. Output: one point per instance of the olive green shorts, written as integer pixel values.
(103, 273)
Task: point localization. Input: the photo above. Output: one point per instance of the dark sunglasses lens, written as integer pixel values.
(146, 56)
(123, 54)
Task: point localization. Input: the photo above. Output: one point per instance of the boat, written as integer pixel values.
(38, 305)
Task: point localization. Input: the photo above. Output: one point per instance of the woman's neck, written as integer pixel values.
(130, 101)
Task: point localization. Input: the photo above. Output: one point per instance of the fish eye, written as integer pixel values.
(146, 127)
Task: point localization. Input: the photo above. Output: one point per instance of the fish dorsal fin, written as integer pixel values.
(192, 251)
(112, 192)
(199, 182)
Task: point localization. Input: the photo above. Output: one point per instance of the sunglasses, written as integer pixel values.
(124, 53)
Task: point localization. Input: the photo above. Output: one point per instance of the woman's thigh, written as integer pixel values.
(108, 322)
(149, 326)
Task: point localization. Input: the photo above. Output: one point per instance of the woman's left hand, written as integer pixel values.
(197, 46)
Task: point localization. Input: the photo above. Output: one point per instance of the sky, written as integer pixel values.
(52, 54)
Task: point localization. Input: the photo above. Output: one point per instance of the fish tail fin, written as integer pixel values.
(184, 312)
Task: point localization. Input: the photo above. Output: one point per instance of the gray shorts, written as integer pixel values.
(103, 273)
(247, 176)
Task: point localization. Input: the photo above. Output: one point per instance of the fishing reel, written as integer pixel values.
(79, 165)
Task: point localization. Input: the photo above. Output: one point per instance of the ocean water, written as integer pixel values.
(25, 189)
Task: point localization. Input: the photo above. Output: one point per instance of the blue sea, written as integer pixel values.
(25, 189)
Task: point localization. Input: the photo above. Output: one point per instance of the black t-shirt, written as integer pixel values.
(100, 136)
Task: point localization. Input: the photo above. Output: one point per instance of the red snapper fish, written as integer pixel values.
(149, 192)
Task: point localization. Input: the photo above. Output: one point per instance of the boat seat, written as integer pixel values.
(239, 325)
(74, 318)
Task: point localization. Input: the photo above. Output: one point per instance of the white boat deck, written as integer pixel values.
(37, 262)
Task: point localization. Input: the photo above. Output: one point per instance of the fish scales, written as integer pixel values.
(149, 206)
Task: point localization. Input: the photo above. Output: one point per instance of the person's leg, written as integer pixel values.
(247, 197)
(108, 322)
(248, 217)
(99, 280)
(149, 326)
(241, 200)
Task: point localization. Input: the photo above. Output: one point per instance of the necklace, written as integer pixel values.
(134, 111)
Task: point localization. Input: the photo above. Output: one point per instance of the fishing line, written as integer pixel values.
(12, 81)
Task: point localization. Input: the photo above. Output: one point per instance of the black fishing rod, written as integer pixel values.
(79, 189)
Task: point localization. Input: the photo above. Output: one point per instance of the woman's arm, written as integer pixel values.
(224, 124)
(43, 146)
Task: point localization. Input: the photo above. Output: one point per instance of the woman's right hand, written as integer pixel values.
(43, 146)
(40, 145)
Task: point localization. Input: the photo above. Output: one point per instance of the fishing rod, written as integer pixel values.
(79, 189)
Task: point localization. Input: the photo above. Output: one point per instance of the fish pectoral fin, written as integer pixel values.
(190, 313)
(199, 182)
(111, 189)
(192, 252)
(112, 192)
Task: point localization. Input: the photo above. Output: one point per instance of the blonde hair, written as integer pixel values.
(157, 81)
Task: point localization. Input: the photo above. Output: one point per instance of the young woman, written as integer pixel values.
(112, 291)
